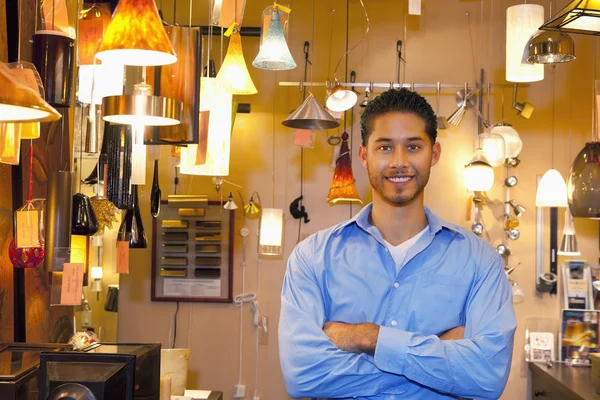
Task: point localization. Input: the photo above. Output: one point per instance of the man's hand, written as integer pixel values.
(353, 338)
(453, 334)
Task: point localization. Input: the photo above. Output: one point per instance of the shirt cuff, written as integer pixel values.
(390, 351)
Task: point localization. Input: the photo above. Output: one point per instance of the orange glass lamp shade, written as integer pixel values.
(342, 187)
(234, 67)
(10, 143)
(215, 97)
(20, 103)
(136, 36)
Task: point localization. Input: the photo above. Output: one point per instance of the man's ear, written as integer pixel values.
(362, 155)
(436, 152)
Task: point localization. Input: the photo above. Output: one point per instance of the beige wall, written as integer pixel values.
(437, 49)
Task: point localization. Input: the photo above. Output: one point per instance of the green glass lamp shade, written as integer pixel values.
(274, 54)
(583, 186)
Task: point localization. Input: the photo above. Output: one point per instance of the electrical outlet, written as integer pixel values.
(263, 331)
(239, 391)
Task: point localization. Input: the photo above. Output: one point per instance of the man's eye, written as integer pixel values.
(413, 147)
(385, 148)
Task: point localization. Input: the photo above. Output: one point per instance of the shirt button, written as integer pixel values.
(396, 285)
(394, 323)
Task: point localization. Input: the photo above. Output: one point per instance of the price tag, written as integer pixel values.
(414, 7)
(122, 257)
(304, 138)
(28, 233)
(72, 284)
(90, 35)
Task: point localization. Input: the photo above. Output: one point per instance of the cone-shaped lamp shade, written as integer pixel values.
(493, 147)
(215, 98)
(252, 209)
(132, 226)
(311, 115)
(341, 99)
(568, 245)
(136, 36)
(479, 174)
(342, 187)
(512, 140)
(546, 47)
(274, 53)
(83, 220)
(552, 190)
(230, 205)
(583, 186)
(579, 16)
(271, 232)
(522, 21)
(234, 68)
(20, 103)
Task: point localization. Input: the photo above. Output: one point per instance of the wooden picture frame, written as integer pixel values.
(192, 255)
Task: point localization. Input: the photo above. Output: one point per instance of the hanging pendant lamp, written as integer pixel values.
(479, 174)
(274, 54)
(136, 36)
(343, 188)
(583, 187)
(552, 190)
(547, 47)
(522, 21)
(19, 103)
(83, 218)
(493, 146)
(132, 228)
(568, 244)
(513, 141)
(579, 16)
(310, 115)
(234, 67)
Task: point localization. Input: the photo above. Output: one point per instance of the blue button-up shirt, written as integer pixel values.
(346, 274)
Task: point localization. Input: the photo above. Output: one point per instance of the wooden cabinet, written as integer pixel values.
(561, 383)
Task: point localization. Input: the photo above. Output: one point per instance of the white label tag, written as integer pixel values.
(414, 7)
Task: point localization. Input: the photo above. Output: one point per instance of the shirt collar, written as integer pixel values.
(361, 219)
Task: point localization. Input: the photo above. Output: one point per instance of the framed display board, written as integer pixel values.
(192, 252)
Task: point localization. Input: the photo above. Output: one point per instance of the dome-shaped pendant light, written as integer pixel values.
(546, 47)
(479, 174)
(552, 190)
(493, 147)
(513, 141)
(274, 53)
(136, 36)
(234, 67)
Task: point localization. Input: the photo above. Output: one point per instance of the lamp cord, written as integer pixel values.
(359, 42)
(553, 108)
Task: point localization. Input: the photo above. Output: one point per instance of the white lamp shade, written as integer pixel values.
(522, 21)
(138, 164)
(552, 190)
(216, 97)
(479, 174)
(341, 100)
(108, 78)
(512, 140)
(271, 231)
(493, 147)
(97, 273)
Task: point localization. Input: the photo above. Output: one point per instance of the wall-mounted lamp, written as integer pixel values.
(523, 109)
(517, 208)
(97, 275)
(271, 232)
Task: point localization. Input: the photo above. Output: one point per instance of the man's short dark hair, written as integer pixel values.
(398, 100)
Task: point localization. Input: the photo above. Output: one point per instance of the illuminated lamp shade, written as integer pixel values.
(136, 36)
(94, 18)
(493, 147)
(342, 187)
(20, 103)
(271, 232)
(513, 141)
(107, 80)
(234, 68)
(583, 187)
(96, 275)
(138, 156)
(568, 244)
(10, 143)
(479, 174)
(579, 16)
(28, 75)
(341, 99)
(215, 97)
(274, 53)
(141, 108)
(522, 21)
(552, 190)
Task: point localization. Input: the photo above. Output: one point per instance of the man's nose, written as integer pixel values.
(399, 158)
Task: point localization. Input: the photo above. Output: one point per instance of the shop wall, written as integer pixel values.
(264, 159)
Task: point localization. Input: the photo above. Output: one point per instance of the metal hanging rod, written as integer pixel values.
(391, 85)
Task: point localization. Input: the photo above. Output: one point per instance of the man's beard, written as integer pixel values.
(397, 197)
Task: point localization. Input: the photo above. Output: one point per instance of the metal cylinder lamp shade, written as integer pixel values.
(58, 214)
(142, 110)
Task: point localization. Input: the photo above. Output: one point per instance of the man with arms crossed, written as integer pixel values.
(396, 303)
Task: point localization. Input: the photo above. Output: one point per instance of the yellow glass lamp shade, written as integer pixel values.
(252, 209)
(136, 36)
(579, 16)
(522, 21)
(10, 143)
(234, 68)
(20, 103)
(552, 190)
(215, 97)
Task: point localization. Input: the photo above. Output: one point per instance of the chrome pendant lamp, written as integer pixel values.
(310, 115)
